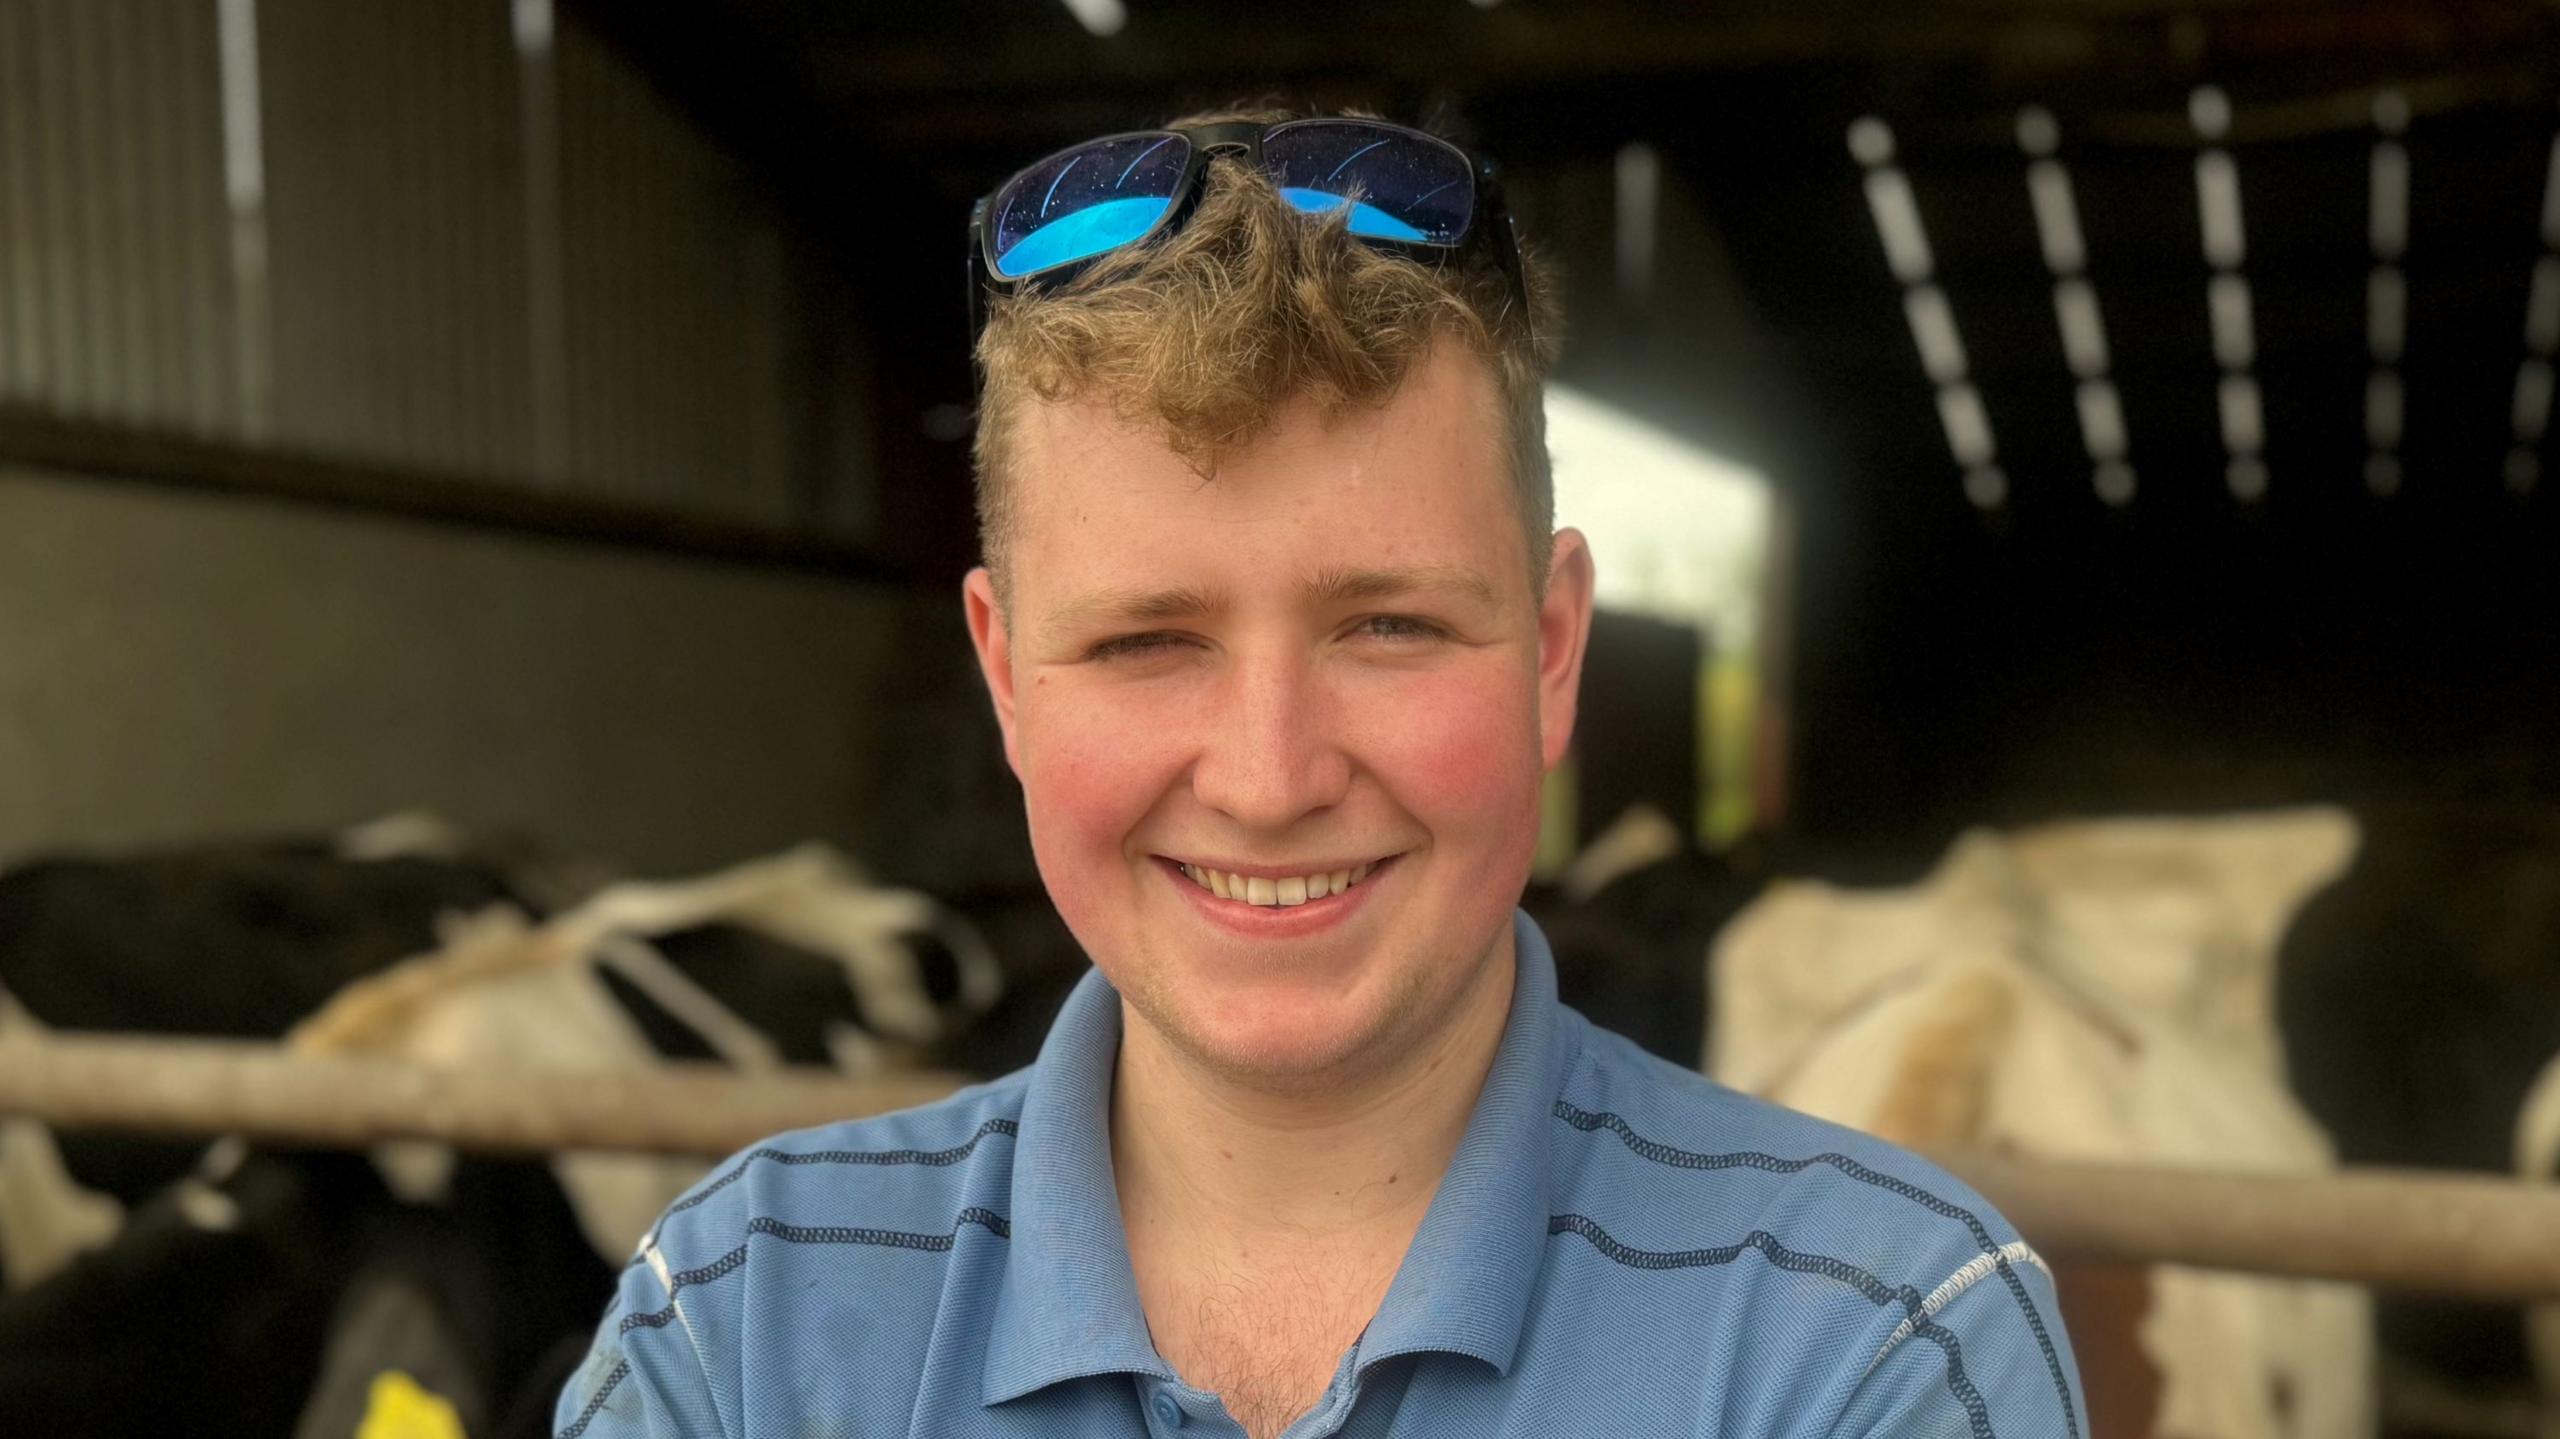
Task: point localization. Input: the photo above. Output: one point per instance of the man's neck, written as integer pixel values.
(1265, 1226)
(1221, 1161)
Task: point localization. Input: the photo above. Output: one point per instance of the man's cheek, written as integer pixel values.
(1466, 750)
(1081, 808)
(1089, 785)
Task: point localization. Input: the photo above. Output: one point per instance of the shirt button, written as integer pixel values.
(1168, 1413)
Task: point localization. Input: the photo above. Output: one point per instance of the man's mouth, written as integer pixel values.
(1282, 890)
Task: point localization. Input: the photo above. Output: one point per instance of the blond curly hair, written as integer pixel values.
(1252, 304)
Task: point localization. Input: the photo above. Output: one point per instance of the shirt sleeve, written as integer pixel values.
(643, 1377)
(1985, 1359)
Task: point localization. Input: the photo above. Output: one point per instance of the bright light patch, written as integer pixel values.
(2533, 399)
(244, 180)
(1871, 141)
(1967, 424)
(2218, 202)
(1897, 216)
(2542, 311)
(534, 25)
(2382, 409)
(2235, 342)
(2114, 483)
(1100, 17)
(2038, 132)
(2243, 423)
(2101, 420)
(2084, 335)
(1933, 329)
(244, 174)
(2210, 110)
(2057, 217)
(2386, 312)
(1677, 531)
(2390, 218)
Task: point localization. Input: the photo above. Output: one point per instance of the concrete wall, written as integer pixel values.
(174, 666)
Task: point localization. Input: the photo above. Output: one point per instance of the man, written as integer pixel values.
(1281, 643)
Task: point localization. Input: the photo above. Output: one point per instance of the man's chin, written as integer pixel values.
(1272, 1043)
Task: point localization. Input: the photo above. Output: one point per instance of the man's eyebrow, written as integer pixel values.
(1343, 586)
(1119, 606)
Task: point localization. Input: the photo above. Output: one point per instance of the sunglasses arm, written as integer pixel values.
(977, 268)
(1505, 238)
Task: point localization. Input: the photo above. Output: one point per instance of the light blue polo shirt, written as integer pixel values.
(1620, 1247)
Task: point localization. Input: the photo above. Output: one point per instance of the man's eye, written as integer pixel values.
(1401, 627)
(1122, 646)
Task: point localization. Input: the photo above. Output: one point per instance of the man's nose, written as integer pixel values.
(1272, 751)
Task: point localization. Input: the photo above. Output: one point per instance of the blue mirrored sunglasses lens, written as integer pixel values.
(1089, 231)
(1366, 219)
(1400, 185)
(1082, 202)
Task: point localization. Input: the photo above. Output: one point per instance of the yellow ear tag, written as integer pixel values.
(400, 1408)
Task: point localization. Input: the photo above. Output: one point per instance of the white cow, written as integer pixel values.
(2098, 991)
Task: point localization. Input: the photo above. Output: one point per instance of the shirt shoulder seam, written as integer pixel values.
(657, 1263)
(1972, 1272)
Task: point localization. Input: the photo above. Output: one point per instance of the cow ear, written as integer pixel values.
(993, 640)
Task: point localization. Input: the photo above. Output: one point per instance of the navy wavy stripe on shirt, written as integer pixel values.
(811, 1281)
(1588, 1121)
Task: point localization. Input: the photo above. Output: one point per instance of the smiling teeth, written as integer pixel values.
(1262, 890)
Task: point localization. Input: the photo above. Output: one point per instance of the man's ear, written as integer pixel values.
(994, 643)
(1564, 634)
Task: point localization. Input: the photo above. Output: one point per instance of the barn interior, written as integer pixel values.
(466, 467)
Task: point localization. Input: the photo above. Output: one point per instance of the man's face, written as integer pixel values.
(1326, 659)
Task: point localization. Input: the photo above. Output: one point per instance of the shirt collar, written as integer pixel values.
(1069, 1303)
(1464, 1285)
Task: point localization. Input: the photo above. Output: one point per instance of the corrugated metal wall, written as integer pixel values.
(396, 231)
(447, 236)
(115, 281)
(675, 306)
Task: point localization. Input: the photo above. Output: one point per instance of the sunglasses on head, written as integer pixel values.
(1399, 189)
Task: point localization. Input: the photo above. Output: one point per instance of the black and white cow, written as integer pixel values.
(2419, 999)
(267, 1293)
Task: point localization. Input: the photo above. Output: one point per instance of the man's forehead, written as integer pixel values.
(1450, 391)
(1109, 518)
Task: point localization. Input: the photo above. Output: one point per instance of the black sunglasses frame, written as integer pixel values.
(1490, 225)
